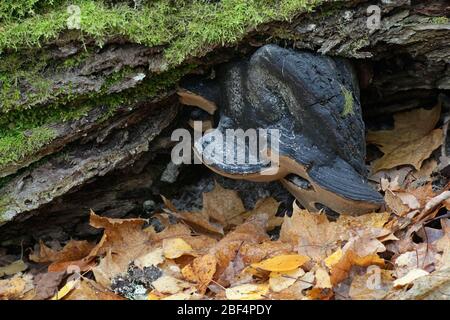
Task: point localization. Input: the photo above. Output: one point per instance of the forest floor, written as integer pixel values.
(227, 252)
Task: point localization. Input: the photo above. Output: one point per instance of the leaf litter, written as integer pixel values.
(224, 251)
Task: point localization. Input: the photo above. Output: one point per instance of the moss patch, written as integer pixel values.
(23, 132)
(439, 20)
(348, 102)
(185, 27)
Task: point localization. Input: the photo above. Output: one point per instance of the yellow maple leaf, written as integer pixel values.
(247, 292)
(285, 262)
(176, 247)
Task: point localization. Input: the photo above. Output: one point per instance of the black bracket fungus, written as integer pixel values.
(313, 103)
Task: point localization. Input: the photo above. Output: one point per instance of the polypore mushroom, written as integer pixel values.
(313, 102)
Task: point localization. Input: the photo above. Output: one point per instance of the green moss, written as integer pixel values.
(16, 146)
(348, 102)
(186, 27)
(439, 20)
(23, 132)
(17, 70)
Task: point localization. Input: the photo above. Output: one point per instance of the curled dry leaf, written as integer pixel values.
(72, 251)
(340, 270)
(255, 252)
(435, 286)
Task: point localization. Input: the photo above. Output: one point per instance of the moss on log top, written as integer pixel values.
(185, 28)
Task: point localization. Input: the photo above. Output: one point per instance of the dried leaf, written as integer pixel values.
(414, 153)
(72, 251)
(222, 204)
(282, 263)
(411, 141)
(247, 292)
(252, 231)
(15, 287)
(176, 247)
(373, 285)
(168, 284)
(323, 280)
(123, 241)
(201, 271)
(340, 270)
(334, 258)
(47, 284)
(13, 268)
(435, 286)
(90, 290)
(282, 280)
(69, 286)
(408, 126)
(410, 277)
(153, 258)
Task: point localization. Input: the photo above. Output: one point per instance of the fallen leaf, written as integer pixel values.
(410, 142)
(372, 285)
(312, 234)
(168, 284)
(279, 281)
(252, 231)
(69, 286)
(153, 258)
(222, 204)
(334, 258)
(46, 284)
(201, 271)
(176, 247)
(199, 222)
(323, 280)
(13, 268)
(340, 270)
(15, 287)
(123, 241)
(410, 277)
(90, 290)
(435, 286)
(267, 206)
(73, 250)
(408, 126)
(255, 252)
(282, 263)
(247, 292)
